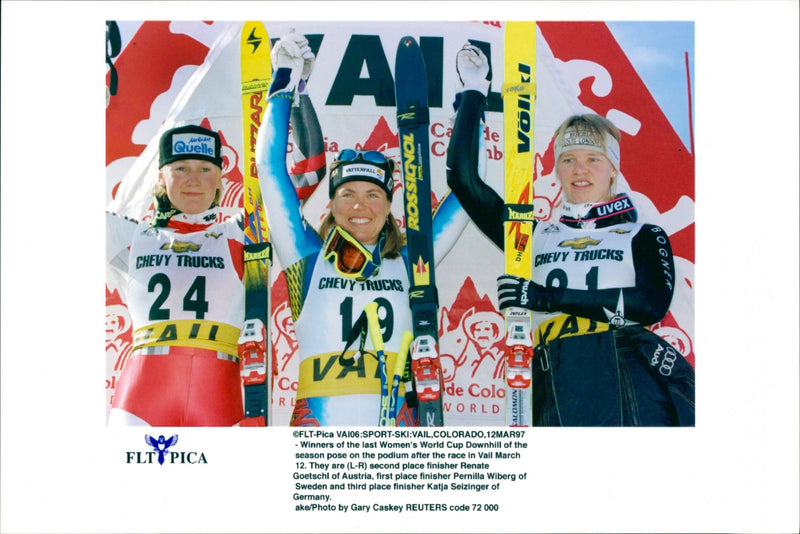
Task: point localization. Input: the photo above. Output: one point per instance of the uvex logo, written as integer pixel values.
(623, 204)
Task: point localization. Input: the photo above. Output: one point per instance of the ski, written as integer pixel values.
(411, 92)
(254, 345)
(518, 102)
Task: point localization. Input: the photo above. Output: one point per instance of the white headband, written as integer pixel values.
(573, 138)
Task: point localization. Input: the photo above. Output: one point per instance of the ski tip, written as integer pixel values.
(407, 40)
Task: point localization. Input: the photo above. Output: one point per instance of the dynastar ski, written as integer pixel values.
(254, 343)
(518, 101)
(411, 92)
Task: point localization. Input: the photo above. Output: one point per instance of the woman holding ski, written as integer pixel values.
(599, 278)
(356, 258)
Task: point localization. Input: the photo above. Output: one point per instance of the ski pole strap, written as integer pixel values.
(359, 329)
(518, 213)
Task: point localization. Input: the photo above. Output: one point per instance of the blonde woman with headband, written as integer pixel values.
(600, 278)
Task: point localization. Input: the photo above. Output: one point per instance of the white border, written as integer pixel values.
(737, 471)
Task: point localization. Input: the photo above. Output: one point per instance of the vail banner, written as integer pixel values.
(188, 72)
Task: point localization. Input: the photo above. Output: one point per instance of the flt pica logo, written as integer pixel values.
(161, 455)
(161, 445)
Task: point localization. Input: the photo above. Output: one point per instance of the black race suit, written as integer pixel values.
(598, 276)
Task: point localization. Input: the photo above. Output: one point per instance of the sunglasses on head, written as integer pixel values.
(370, 156)
(349, 256)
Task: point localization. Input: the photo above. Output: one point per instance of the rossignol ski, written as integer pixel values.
(518, 102)
(254, 345)
(411, 92)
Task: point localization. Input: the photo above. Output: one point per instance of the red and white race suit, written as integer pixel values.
(186, 300)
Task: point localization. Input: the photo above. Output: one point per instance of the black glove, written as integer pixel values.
(514, 291)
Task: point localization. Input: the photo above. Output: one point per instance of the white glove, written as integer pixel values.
(292, 53)
(473, 68)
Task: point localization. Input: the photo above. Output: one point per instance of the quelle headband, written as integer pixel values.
(580, 138)
(190, 142)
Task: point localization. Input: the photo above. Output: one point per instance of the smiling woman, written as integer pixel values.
(587, 158)
(191, 185)
(184, 293)
(356, 259)
(600, 278)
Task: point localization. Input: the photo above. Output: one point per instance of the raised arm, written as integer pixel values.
(482, 203)
(292, 238)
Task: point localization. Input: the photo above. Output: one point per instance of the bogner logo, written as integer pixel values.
(161, 454)
(411, 174)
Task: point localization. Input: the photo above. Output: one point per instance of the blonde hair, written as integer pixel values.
(594, 123)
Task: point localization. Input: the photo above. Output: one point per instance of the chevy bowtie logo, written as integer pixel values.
(579, 243)
(181, 246)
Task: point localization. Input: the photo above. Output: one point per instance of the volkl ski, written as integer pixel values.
(518, 106)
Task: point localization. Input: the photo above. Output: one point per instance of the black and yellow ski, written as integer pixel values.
(411, 92)
(518, 104)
